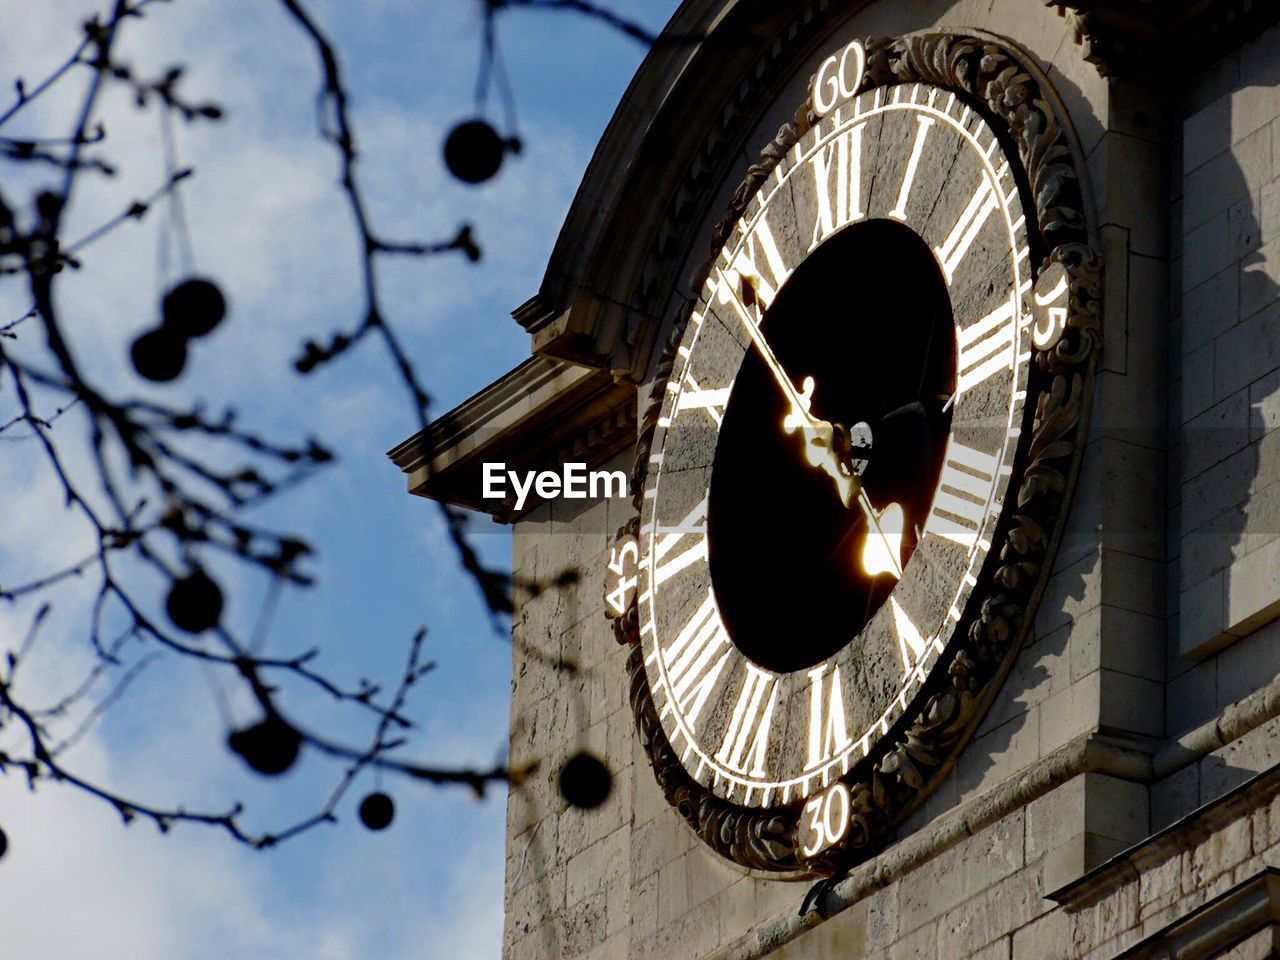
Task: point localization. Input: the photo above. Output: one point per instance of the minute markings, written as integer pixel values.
(760, 732)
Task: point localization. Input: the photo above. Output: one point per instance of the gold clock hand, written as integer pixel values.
(819, 435)
(882, 556)
(885, 554)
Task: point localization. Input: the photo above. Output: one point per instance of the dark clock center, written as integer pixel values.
(868, 316)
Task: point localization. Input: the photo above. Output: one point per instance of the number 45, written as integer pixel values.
(622, 577)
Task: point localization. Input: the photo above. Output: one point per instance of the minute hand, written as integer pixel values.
(819, 435)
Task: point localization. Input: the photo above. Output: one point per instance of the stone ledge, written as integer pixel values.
(1172, 841)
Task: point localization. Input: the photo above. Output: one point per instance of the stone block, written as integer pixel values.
(1260, 279)
(1133, 500)
(1260, 59)
(1132, 583)
(1080, 536)
(1132, 643)
(882, 914)
(1244, 227)
(1216, 434)
(1175, 796)
(1135, 191)
(1192, 698)
(1247, 352)
(1132, 704)
(1220, 852)
(1040, 670)
(1224, 486)
(1251, 662)
(617, 903)
(936, 887)
(673, 892)
(1067, 715)
(1048, 938)
(656, 844)
(844, 935)
(736, 907)
(583, 927)
(1213, 546)
(644, 909)
(1197, 381)
(1115, 808)
(1264, 405)
(1269, 211)
(999, 754)
(707, 874)
(991, 915)
(1205, 248)
(1206, 134)
(1159, 882)
(1207, 192)
(1210, 308)
(919, 944)
(1072, 591)
(1055, 818)
(1107, 922)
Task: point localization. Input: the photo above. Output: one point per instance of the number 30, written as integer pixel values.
(825, 820)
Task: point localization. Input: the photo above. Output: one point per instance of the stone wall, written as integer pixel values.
(1154, 620)
(1225, 508)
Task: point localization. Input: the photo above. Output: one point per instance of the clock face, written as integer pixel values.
(837, 435)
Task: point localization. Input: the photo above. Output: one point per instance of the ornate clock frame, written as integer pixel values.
(1000, 83)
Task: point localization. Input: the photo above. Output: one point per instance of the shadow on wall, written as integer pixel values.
(1228, 450)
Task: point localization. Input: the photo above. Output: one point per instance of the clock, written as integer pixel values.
(857, 451)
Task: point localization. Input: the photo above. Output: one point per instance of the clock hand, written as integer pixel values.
(820, 436)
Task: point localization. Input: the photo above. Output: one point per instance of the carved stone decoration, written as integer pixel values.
(897, 774)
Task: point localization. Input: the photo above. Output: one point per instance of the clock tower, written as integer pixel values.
(938, 342)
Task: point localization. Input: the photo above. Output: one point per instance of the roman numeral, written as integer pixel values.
(759, 250)
(986, 347)
(910, 642)
(965, 485)
(694, 397)
(962, 235)
(746, 743)
(693, 669)
(846, 206)
(828, 732)
(899, 211)
(694, 525)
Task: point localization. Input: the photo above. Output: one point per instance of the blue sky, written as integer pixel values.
(269, 225)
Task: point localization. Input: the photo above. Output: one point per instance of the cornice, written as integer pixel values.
(1162, 40)
(541, 414)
